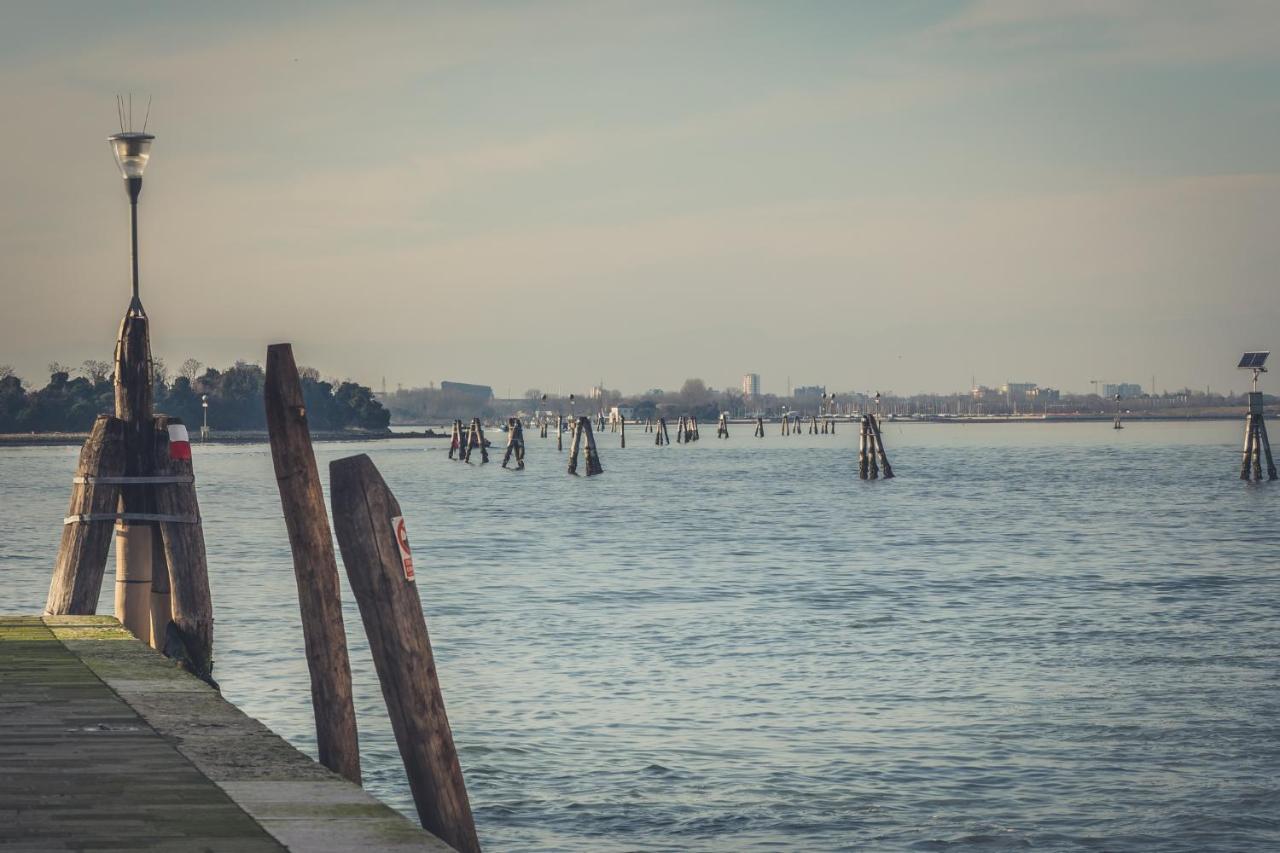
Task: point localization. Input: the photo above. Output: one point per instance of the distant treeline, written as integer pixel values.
(69, 403)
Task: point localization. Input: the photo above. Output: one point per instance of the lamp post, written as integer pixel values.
(204, 428)
(132, 150)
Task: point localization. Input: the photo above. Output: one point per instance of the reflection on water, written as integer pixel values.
(1055, 636)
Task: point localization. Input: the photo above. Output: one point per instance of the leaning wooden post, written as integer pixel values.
(95, 494)
(515, 444)
(375, 551)
(864, 440)
(315, 566)
(884, 457)
(593, 455)
(189, 636)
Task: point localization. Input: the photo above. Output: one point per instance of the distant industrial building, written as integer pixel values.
(481, 392)
(751, 385)
(1122, 389)
(1015, 391)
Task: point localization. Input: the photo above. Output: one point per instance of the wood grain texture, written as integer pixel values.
(363, 507)
(82, 553)
(315, 565)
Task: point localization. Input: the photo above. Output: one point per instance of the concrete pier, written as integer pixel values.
(107, 745)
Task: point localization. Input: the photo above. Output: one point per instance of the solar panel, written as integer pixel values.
(1253, 360)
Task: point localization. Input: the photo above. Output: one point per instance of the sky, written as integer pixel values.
(893, 196)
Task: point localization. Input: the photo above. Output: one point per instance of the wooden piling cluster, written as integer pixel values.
(515, 444)
(759, 427)
(467, 438)
(687, 430)
(722, 428)
(1256, 443)
(131, 475)
(584, 440)
(661, 436)
(871, 454)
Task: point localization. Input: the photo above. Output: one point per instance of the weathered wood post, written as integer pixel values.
(560, 433)
(475, 438)
(455, 443)
(1256, 441)
(87, 528)
(884, 457)
(134, 537)
(622, 429)
(759, 427)
(864, 441)
(660, 434)
(515, 444)
(722, 428)
(786, 423)
(189, 636)
(315, 566)
(374, 543)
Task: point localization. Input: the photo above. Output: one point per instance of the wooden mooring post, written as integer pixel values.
(759, 427)
(622, 431)
(722, 428)
(1256, 443)
(560, 433)
(315, 565)
(135, 537)
(374, 543)
(188, 635)
(475, 438)
(455, 443)
(87, 528)
(661, 436)
(515, 444)
(871, 452)
(583, 440)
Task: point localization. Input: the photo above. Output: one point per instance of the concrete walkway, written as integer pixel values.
(106, 745)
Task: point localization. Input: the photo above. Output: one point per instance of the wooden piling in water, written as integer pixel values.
(374, 544)
(1256, 442)
(315, 565)
(560, 433)
(515, 444)
(583, 440)
(871, 453)
(759, 427)
(622, 426)
(661, 436)
(82, 553)
(475, 438)
(722, 428)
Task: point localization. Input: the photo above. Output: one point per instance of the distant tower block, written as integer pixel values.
(1256, 443)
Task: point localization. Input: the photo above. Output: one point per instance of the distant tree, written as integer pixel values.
(95, 370)
(5, 371)
(58, 367)
(190, 370)
(533, 395)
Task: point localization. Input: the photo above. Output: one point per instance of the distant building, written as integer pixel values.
(1013, 391)
(1044, 395)
(751, 385)
(481, 392)
(1124, 389)
(621, 413)
(810, 391)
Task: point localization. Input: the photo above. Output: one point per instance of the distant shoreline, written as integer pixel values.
(71, 439)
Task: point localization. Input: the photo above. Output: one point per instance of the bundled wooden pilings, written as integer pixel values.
(871, 453)
(455, 442)
(375, 551)
(786, 424)
(687, 430)
(315, 566)
(661, 436)
(475, 438)
(1256, 442)
(515, 444)
(584, 440)
(722, 428)
(95, 494)
(759, 427)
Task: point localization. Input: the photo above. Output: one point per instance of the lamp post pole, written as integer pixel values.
(204, 427)
(138, 554)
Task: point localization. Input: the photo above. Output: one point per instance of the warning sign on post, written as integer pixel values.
(402, 542)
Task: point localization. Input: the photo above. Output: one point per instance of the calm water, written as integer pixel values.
(1056, 637)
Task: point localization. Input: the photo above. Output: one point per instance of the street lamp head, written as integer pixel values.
(132, 150)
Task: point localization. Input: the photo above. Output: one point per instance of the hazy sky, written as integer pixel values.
(864, 195)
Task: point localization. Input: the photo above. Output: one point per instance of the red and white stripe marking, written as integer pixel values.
(179, 442)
